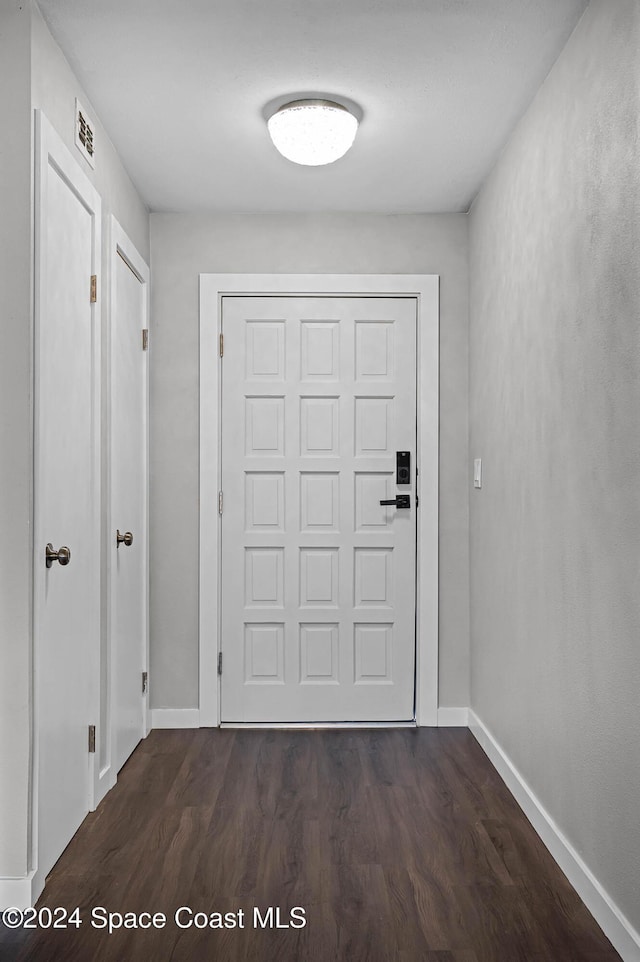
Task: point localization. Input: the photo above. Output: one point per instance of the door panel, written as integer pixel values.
(128, 506)
(66, 598)
(318, 578)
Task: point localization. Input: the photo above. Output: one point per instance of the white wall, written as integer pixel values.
(33, 73)
(15, 436)
(182, 247)
(54, 91)
(555, 414)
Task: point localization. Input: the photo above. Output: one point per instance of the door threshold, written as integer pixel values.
(312, 726)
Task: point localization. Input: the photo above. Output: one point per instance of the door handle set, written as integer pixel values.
(403, 476)
(400, 501)
(126, 539)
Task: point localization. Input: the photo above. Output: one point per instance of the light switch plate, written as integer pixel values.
(477, 473)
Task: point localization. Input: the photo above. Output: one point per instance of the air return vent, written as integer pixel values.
(85, 134)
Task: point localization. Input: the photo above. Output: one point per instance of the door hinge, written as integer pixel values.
(144, 682)
(219, 662)
(222, 345)
(219, 502)
(92, 739)
(145, 339)
(94, 288)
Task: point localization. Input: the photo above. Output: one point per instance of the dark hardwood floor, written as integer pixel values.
(400, 845)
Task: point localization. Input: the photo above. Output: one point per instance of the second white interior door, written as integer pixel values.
(318, 578)
(128, 534)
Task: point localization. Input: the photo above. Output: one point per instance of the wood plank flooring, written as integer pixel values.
(400, 845)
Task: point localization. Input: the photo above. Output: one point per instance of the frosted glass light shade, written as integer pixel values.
(312, 132)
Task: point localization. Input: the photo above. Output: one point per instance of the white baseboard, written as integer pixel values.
(19, 893)
(104, 783)
(453, 717)
(175, 718)
(613, 923)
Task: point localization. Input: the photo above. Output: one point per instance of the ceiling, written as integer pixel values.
(181, 87)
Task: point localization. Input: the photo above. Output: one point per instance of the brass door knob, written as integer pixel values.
(126, 539)
(62, 555)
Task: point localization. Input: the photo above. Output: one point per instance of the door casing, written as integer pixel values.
(425, 289)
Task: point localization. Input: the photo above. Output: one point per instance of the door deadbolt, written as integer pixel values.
(62, 555)
(403, 467)
(125, 539)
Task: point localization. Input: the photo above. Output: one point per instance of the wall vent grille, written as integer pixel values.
(85, 134)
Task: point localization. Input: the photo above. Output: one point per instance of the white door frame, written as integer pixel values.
(120, 245)
(51, 150)
(425, 288)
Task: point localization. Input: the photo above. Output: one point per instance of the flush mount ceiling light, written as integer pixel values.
(312, 132)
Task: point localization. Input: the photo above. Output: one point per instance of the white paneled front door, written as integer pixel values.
(318, 577)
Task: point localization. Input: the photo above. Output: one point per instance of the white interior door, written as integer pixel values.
(66, 594)
(318, 578)
(128, 534)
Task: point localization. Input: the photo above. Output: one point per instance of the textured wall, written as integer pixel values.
(54, 90)
(15, 436)
(555, 409)
(183, 246)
